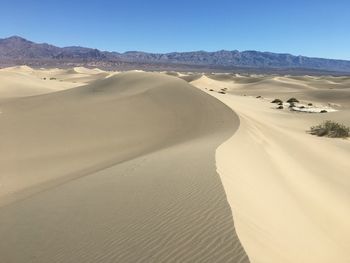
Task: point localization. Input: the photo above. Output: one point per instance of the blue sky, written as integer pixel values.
(300, 27)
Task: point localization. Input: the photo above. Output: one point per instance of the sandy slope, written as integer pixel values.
(289, 191)
(120, 170)
(23, 81)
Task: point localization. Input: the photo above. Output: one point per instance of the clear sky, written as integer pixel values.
(319, 28)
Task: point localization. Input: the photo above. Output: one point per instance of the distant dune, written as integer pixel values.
(23, 81)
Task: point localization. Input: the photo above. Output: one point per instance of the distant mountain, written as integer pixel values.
(16, 50)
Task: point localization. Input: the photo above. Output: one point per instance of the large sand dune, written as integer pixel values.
(289, 191)
(120, 170)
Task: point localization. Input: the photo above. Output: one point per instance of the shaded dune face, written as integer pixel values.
(191, 77)
(120, 170)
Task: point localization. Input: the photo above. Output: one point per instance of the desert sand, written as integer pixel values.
(23, 81)
(102, 166)
(288, 190)
(118, 169)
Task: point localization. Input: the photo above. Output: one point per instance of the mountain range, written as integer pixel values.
(16, 50)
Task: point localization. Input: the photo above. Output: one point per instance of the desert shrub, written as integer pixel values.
(258, 97)
(222, 92)
(277, 101)
(293, 100)
(301, 107)
(309, 104)
(331, 129)
(280, 107)
(280, 103)
(323, 111)
(211, 90)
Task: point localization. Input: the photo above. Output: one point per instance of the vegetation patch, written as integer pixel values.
(331, 129)
(294, 100)
(278, 101)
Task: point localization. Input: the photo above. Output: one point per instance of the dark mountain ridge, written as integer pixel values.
(17, 50)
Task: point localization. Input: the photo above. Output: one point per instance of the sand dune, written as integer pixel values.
(289, 191)
(84, 70)
(23, 81)
(304, 87)
(143, 167)
(120, 170)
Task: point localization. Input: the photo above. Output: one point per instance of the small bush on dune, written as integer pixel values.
(277, 101)
(293, 100)
(331, 129)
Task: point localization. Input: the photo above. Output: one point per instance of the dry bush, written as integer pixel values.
(331, 129)
(294, 100)
(278, 101)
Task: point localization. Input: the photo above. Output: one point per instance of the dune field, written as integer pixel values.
(100, 166)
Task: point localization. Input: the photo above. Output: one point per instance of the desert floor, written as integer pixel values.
(102, 166)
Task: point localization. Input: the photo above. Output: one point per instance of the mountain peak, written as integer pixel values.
(16, 38)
